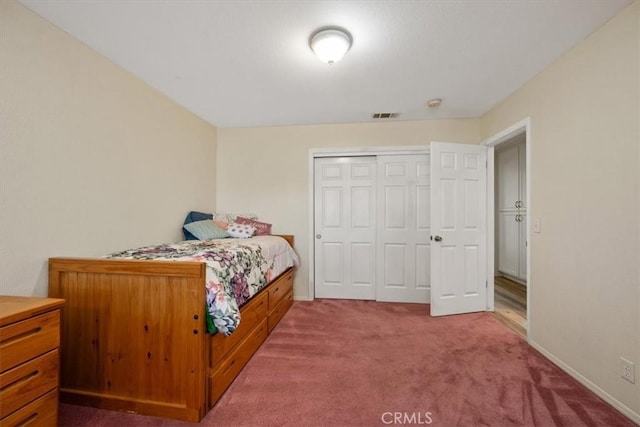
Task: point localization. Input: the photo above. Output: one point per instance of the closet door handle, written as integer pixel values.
(438, 239)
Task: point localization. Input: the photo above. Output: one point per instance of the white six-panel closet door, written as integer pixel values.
(403, 255)
(345, 227)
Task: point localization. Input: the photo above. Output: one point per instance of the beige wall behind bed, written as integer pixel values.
(92, 160)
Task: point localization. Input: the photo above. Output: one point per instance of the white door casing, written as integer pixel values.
(345, 227)
(403, 204)
(458, 223)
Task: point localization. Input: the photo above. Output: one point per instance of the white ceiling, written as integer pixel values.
(248, 63)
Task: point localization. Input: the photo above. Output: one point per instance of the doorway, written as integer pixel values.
(510, 279)
(509, 206)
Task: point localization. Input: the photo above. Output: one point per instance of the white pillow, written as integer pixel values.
(241, 231)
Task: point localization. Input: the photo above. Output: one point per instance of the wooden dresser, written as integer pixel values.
(29, 360)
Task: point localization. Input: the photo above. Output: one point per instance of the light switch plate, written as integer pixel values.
(536, 225)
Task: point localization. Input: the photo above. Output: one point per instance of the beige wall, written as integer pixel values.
(266, 169)
(92, 159)
(585, 278)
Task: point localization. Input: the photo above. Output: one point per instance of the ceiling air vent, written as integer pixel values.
(385, 115)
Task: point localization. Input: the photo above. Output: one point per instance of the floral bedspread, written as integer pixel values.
(234, 273)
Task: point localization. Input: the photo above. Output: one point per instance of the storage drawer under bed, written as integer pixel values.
(232, 365)
(280, 288)
(281, 309)
(252, 314)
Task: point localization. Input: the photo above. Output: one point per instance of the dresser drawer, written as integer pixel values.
(281, 309)
(280, 288)
(22, 341)
(42, 412)
(27, 382)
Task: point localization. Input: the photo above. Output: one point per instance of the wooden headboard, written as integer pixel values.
(287, 237)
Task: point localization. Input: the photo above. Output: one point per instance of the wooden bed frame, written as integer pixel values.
(134, 336)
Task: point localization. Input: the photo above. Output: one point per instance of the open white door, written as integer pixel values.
(458, 228)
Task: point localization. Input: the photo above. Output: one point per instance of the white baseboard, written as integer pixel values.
(298, 298)
(633, 416)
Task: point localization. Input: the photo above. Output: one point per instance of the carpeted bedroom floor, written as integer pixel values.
(360, 363)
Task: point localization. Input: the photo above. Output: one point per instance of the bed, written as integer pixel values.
(134, 331)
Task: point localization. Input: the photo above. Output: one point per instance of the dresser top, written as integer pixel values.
(14, 309)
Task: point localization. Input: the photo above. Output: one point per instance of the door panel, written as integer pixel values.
(522, 252)
(508, 178)
(423, 269)
(332, 257)
(345, 227)
(394, 255)
(362, 255)
(403, 228)
(458, 219)
(508, 243)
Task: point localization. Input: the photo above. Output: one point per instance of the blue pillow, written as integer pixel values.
(194, 216)
(206, 230)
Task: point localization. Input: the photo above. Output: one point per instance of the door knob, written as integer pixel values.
(438, 239)
(318, 236)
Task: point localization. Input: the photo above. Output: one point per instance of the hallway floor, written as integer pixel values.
(511, 304)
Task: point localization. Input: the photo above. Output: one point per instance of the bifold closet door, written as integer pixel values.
(403, 259)
(345, 227)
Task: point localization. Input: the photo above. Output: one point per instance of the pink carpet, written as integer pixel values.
(357, 363)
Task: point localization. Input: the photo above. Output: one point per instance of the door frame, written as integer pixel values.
(342, 152)
(492, 142)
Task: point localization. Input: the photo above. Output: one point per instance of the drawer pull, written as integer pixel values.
(19, 380)
(27, 420)
(25, 334)
(233, 362)
(276, 290)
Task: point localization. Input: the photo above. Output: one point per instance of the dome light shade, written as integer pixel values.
(330, 45)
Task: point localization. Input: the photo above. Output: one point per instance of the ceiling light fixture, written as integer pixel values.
(434, 103)
(330, 44)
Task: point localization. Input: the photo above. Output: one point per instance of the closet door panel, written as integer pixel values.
(522, 176)
(508, 243)
(522, 252)
(345, 227)
(404, 203)
(508, 178)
